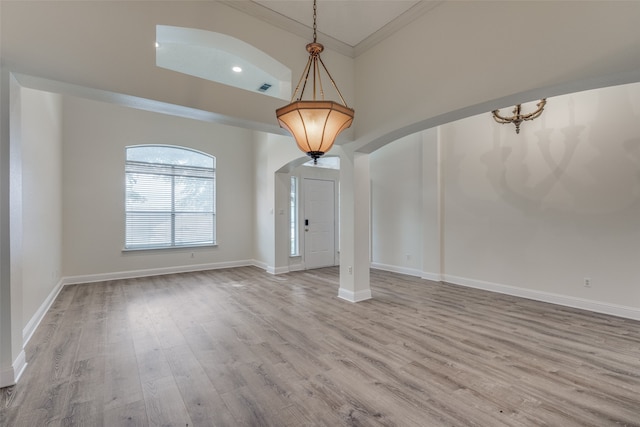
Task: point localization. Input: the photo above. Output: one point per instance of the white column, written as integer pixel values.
(355, 219)
(12, 356)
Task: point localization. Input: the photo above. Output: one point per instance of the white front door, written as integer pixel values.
(319, 223)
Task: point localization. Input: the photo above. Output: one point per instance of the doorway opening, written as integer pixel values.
(314, 216)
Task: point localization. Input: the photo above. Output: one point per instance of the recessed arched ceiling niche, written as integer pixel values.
(221, 58)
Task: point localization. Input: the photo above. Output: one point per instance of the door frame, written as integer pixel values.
(303, 216)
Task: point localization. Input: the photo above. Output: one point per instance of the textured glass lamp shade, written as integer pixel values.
(315, 124)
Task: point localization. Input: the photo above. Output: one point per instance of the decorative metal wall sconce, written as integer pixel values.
(518, 117)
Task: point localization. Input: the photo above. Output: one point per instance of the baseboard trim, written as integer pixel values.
(296, 267)
(396, 269)
(11, 375)
(351, 296)
(260, 264)
(280, 270)
(92, 278)
(434, 277)
(567, 301)
(269, 268)
(20, 364)
(31, 327)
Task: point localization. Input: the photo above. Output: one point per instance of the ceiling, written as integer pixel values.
(348, 26)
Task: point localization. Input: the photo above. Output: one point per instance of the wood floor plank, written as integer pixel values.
(240, 347)
(133, 414)
(203, 403)
(121, 385)
(164, 403)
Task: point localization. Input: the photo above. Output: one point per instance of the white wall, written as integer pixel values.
(272, 153)
(95, 137)
(396, 204)
(530, 214)
(263, 207)
(554, 205)
(432, 218)
(405, 206)
(41, 198)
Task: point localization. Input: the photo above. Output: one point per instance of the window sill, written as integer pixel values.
(169, 248)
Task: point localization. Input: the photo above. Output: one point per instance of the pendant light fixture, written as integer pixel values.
(315, 123)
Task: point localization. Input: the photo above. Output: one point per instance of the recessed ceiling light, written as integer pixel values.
(237, 69)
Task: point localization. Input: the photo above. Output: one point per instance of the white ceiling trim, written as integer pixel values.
(283, 22)
(413, 13)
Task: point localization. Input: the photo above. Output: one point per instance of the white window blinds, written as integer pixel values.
(170, 197)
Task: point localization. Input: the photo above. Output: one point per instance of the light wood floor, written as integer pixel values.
(239, 347)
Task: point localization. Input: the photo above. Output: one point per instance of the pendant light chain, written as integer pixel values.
(312, 68)
(315, 15)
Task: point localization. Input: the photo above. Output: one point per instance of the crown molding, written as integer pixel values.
(290, 25)
(414, 12)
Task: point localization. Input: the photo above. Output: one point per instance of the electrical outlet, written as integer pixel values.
(193, 255)
(587, 282)
(350, 270)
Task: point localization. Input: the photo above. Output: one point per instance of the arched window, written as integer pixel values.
(170, 197)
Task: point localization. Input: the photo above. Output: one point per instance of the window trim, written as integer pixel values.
(172, 213)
